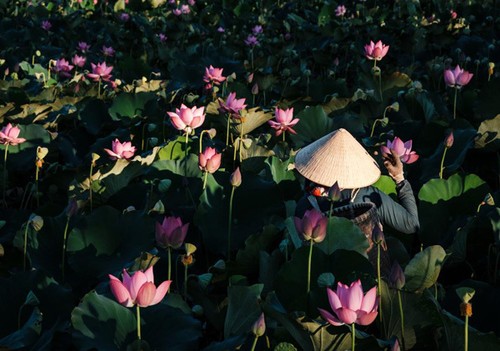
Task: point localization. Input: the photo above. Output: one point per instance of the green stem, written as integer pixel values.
(229, 222)
(205, 180)
(466, 334)
(373, 127)
(441, 168)
(251, 55)
(455, 104)
(5, 171)
(169, 274)
(25, 244)
(90, 184)
(185, 281)
(380, 86)
(402, 320)
(99, 89)
(241, 139)
(143, 136)
(379, 282)
(309, 261)
(254, 343)
(201, 141)
(64, 246)
(227, 131)
(353, 336)
(37, 170)
(138, 312)
(283, 136)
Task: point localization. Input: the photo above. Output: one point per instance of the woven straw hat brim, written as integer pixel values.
(337, 157)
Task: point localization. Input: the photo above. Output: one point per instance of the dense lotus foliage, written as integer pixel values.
(161, 134)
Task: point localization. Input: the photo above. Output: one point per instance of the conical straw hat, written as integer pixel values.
(337, 157)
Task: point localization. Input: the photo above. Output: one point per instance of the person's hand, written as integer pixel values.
(394, 166)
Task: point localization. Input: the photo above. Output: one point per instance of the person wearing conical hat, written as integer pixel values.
(339, 158)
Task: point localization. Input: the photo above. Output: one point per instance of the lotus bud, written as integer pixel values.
(259, 327)
(235, 178)
(334, 193)
(255, 89)
(36, 222)
(250, 78)
(448, 142)
(395, 106)
(397, 278)
(378, 236)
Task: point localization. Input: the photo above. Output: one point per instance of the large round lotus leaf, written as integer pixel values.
(489, 132)
(443, 202)
(243, 309)
(129, 106)
(423, 269)
(314, 123)
(343, 234)
(27, 335)
(22, 156)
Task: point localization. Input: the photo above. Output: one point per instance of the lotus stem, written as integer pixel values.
(5, 171)
(205, 180)
(25, 245)
(90, 184)
(353, 336)
(201, 140)
(241, 139)
(455, 104)
(185, 281)
(283, 136)
(138, 313)
(309, 261)
(441, 168)
(378, 120)
(143, 144)
(379, 282)
(251, 57)
(402, 320)
(254, 343)
(169, 274)
(99, 89)
(64, 245)
(380, 86)
(227, 131)
(229, 222)
(37, 170)
(466, 334)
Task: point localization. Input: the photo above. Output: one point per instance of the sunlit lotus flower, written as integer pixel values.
(171, 232)
(63, 68)
(209, 160)
(177, 12)
(221, 29)
(138, 289)
(403, 149)
(100, 71)
(284, 121)
(256, 30)
(235, 178)
(259, 327)
(162, 37)
(213, 75)
(83, 46)
(124, 17)
(187, 119)
(120, 150)
(191, 2)
(185, 10)
(232, 105)
(9, 135)
(251, 40)
(108, 51)
(457, 78)
(376, 51)
(46, 25)
(312, 226)
(350, 306)
(78, 61)
(340, 11)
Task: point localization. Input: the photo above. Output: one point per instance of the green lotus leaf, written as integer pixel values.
(423, 269)
(243, 309)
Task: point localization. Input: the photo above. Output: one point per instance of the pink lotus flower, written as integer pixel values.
(312, 226)
(259, 327)
(108, 51)
(83, 46)
(185, 10)
(213, 75)
(376, 51)
(187, 119)
(120, 150)
(251, 40)
(100, 71)
(162, 37)
(232, 105)
(350, 306)
(177, 12)
(9, 135)
(78, 61)
(403, 150)
(221, 29)
(46, 25)
(138, 289)
(209, 160)
(284, 121)
(171, 232)
(457, 78)
(340, 11)
(62, 67)
(235, 178)
(256, 30)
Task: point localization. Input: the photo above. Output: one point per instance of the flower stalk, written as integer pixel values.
(65, 234)
(138, 313)
(229, 222)
(353, 336)
(309, 261)
(401, 313)
(5, 171)
(25, 249)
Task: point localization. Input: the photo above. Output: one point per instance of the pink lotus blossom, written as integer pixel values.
(312, 226)
(177, 12)
(100, 71)
(78, 61)
(251, 40)
(46, 25)
(340, 11)
(63, 68)
(376, 51)
(232, 105)
(191, 2)
(124, 17)
(108, 51)
(9, 135)
(162, 37)
(235, 178)
(284, 121)
(256, 30)
(457, 78)
(213, 75)
(187, 119)
(171, 232)
(83, 46)
(120, 150)
(221, 29)
(351, 305)
(209, 160)
(403, 150)
(259, 327)
(138, 289)
(185, 9)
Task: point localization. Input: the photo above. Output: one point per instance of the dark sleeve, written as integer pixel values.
(402, 216)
